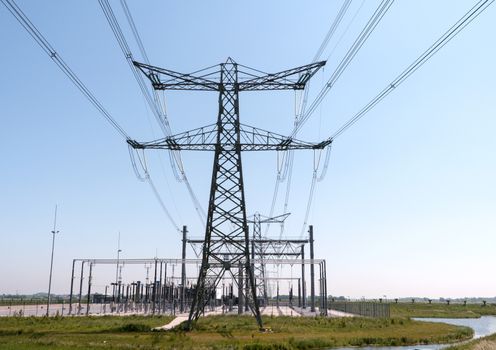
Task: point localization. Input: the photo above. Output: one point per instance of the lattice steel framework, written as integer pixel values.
(226, 246)
(260, 250)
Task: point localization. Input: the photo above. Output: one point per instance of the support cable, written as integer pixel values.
(345, 62)
(466, 19)
(372, 23)
(332, 29)
(174, 156)
(21, 17)
(154, 102)
(126, 51)
(301, 102)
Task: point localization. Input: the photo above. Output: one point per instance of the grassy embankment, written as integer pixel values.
(219, 332)
(486, 343)
(442, 310)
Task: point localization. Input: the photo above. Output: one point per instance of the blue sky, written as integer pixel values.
(407, 207)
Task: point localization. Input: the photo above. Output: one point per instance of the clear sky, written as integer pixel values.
(408, 205)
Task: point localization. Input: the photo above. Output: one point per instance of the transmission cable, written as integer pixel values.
(21, 17)
(26, 23)
(174, 156)
(377, 16)
(345, 62)
(300, 116)
(154, 102)
(288, 167)
(473, 13)
(465, 20)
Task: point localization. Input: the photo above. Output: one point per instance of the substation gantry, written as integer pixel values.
(264, 251)
(226, 245)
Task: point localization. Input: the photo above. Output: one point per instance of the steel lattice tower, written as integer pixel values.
(227, 247)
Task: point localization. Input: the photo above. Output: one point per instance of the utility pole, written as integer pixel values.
(227, 246)
(312, 271)
(183, 269)
(54, 231)
(118, 257)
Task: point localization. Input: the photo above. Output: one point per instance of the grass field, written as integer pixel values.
(441, 310)
(218, 332)
(486, 343)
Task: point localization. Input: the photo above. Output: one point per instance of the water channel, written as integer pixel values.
(482, 326)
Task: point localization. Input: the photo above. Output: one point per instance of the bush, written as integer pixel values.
(134, 327)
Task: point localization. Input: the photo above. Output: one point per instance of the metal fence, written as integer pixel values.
(367, 309)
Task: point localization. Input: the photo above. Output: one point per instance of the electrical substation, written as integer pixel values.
(226, 250)
(236, 265)
(284, 278)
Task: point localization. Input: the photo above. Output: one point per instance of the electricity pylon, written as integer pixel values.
(226, 246)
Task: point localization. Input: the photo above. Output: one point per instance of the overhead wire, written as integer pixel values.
(301, 115)
(372, 23)
(32, 30)
(173, 155)
(466, 19)
(288, 168)
(26, 23)
(452, 32)
(153, 99)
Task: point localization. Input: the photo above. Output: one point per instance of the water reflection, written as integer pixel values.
(482, 326)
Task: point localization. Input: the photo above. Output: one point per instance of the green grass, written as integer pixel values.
(441, 310)
(486, 343)
(219, 332)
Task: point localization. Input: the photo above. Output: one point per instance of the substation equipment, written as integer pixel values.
(165, 290)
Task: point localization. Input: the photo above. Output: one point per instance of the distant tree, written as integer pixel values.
(464, 303)
(413, 301)
(484, 303)
(396, 300)
(448, 301)
(430, 301)
(380, 300)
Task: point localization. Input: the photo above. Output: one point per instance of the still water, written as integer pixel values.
(482, 326)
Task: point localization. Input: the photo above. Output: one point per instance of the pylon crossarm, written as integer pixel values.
(165, 79)
(291, 79)
(199, 139)
(251, 139)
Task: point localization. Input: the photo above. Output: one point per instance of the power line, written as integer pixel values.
(303, 115)
(465, 20)
(288, 168)
(345, 62)
(174, 155)
(21, 17)
(154, 102)
(126, 51)
(332, 29)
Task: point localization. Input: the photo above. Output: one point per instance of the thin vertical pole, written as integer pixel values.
(240, 289)
(80, 287)
(160, 287)
(105, 300)
(303, 291)
(325, 287)
(299, 292)
(89, 290)
(312, 271)
(183, 269)
(154, 287)
(72, 286)
(54, 231)
(118, 256)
